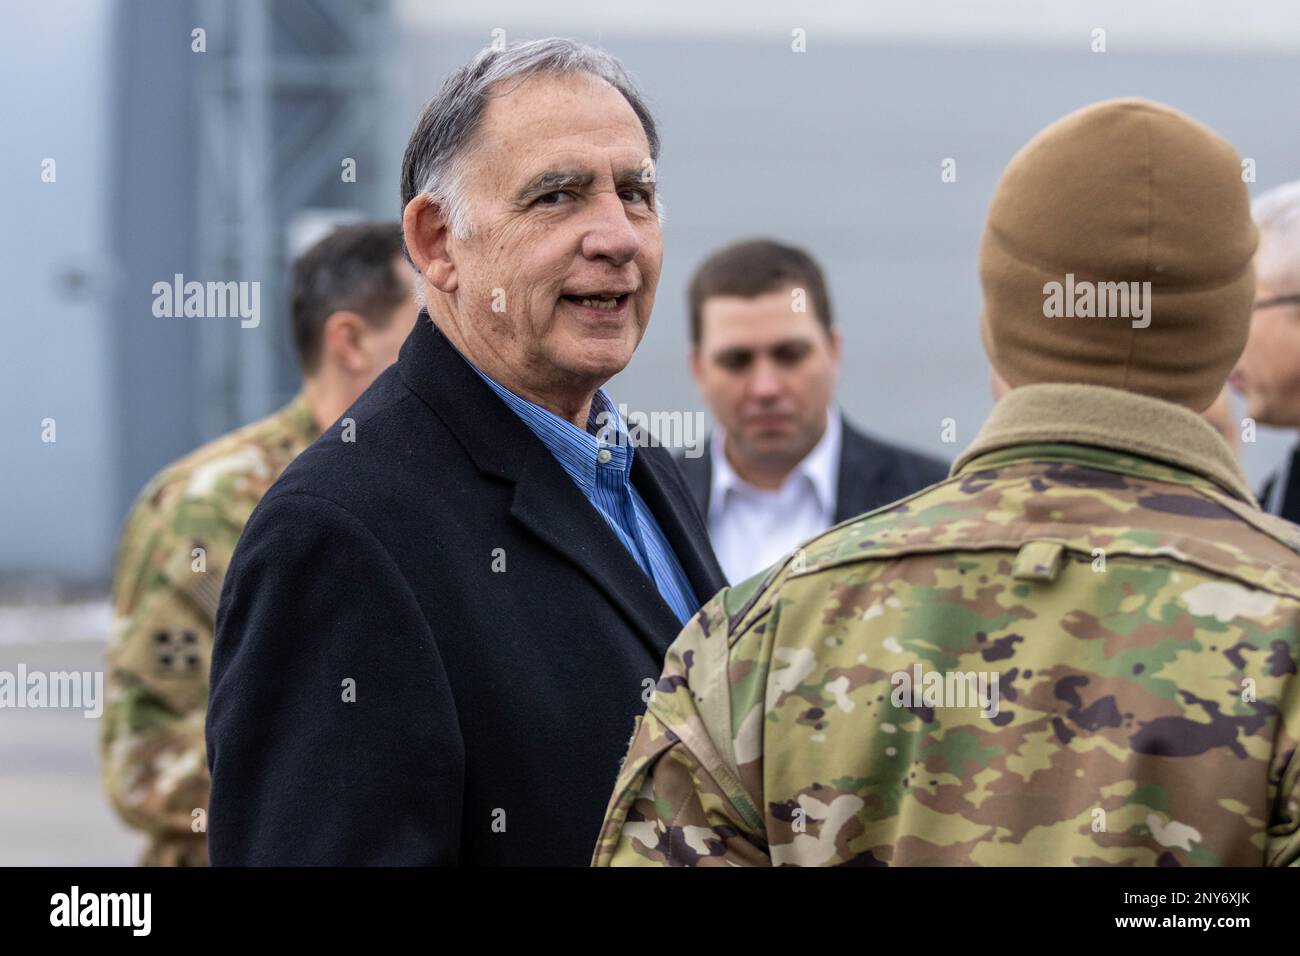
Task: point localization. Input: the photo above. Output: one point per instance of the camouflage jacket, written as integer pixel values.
(1080, 649)
(171, 562)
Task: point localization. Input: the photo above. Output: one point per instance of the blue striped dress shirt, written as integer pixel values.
(602, 470)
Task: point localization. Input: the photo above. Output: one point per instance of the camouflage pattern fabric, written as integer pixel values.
(1143, 626)
(171, 562)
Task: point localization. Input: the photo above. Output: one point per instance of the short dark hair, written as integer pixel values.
(754, 267)
(352, 268)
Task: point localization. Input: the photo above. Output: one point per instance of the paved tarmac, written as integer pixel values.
(53, 811)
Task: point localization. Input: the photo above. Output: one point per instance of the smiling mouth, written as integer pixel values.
(600, 302)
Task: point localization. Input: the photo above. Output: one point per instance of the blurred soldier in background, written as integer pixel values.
(1081, 649)
(783, 464)
(351, 310)
(1269, 371)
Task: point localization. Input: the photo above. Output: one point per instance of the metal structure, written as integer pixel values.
(285, 93)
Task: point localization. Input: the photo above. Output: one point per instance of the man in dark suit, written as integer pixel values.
(784, 465)
(440, 623)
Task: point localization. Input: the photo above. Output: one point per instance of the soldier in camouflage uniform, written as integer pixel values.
(1113, 622)
(351, 310)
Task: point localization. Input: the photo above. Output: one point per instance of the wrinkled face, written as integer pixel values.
(768, 373)
(1268, 372)
(556, 281)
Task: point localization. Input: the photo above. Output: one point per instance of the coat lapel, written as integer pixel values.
(549, 504)
(546, 501)
(664, 489)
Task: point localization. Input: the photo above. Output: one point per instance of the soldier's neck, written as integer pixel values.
(328, 399)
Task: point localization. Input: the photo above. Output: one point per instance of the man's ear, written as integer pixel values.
(341, 341)
(427, 235)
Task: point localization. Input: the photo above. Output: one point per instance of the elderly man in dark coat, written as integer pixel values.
(440, 623)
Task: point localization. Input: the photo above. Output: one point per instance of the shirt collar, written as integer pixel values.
(577, 451)
(1147, 428)
(819, 467)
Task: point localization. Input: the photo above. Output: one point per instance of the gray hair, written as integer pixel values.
(442, 140)
(1277, 213)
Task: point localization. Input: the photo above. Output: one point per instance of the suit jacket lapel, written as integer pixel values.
(860, 470)
(698, 474)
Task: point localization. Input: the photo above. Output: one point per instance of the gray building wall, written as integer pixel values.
(155, 404)
(56, 500)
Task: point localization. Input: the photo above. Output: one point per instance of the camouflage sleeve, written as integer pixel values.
(152, 747)
(682, 797)
(1284, 827)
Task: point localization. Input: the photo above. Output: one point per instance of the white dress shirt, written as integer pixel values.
(750, 528)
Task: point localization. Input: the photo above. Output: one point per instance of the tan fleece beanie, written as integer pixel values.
(1117, 252)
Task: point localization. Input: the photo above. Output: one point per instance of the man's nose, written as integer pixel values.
(609, 233)
(766, 382)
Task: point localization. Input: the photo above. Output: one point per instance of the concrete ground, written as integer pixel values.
(53, 811)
